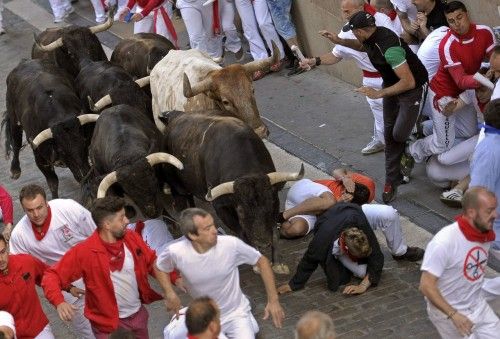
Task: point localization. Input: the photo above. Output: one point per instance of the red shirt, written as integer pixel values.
(18, 294)
(146, 5)
(6, 206)
(89, 260)
(468, 52)
(338, 188)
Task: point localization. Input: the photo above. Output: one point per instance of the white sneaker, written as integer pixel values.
(373, 146)
(452, 198)
(217, 60)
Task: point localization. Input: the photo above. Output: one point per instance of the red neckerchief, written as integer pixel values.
(116, 254)
(139, 227)
(473, 234)
(345, 250)
(369, 9)
(393, 15)
(39, 235)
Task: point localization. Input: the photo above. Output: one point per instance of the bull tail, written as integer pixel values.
(8, 135)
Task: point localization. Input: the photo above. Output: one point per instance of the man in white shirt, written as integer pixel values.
(453, 271)
(47, 232)
(209, 264)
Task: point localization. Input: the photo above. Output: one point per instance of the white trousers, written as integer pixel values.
(146, 25)
(59, 7)
(81, 325)
(451, 165)
(46, 333)
(386, 219)
(486, 323)
(1, 10)
(377, 109)
(198, 20)
(100, 14)
(239, 325)
(462, 123)
(226, 11)
(255, 15)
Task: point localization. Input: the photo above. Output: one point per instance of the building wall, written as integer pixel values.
(312, 16)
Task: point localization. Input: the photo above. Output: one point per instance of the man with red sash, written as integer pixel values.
(453, 271)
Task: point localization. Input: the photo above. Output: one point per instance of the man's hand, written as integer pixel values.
(66, 311)
(450, 108)
(349, 184)
(123, 14)
(422, 20)
(415, 26)
(284, 289)
(370, 92)
(180, 284)
(173, 303)
(307, 63)
(274, 308)
(355, 289)
(76, 292)
(462, 323)
(7, 230)
(330, 36)
(136, 17)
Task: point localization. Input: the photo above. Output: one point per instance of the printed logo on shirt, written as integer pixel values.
(66, 233)
(475, 263)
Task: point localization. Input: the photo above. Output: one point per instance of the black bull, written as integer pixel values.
(125, 148)
(226, 162)
(41, 101)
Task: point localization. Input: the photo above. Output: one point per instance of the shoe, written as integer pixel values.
(389, 193)
(407, 163)
(217, 60)
(58, 20)
(2, 30)
(373, 146)
(452, 198)
(257, 75)
(277, 66)
(297, 70)
(239, 55)
(412, 254)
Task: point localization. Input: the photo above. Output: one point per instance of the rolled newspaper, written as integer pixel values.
(483, 80)
(299, 55)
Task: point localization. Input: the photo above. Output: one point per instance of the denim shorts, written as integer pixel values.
(280, 12)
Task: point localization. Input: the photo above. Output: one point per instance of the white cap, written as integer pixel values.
(7, 320)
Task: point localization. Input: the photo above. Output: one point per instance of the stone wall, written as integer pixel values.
(313, 15)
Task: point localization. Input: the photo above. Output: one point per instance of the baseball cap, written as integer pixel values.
(359, 20)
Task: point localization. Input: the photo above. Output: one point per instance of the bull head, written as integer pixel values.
(46, 134)
(274, 178)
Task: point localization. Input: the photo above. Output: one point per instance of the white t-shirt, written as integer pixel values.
(125, 286)
(428, 52)
(70, 224)
(407, 7)
(6, 319)
(213, 273)
(361, 58)
(459, 265)
(155, 234)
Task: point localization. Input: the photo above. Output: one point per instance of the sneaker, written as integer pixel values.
(257, 75)
(295, 71)
(373, 146)
(59, 20)
(217, 60)
(452, 198)
(407, 163)
(412, 254)
(2, 30)
(239, 55)
(389, 193)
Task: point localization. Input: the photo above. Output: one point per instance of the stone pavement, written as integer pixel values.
(295, 108)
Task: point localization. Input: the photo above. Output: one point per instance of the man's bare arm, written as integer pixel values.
(311, 206)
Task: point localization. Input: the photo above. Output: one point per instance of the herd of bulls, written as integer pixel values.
(120, 127)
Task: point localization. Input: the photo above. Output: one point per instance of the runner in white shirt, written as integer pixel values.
(453, 271)
(154, 232)
(47, 232)
(371, 77)
(209, 265)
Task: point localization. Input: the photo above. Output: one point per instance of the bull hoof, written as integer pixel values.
(281, 269)
(15, 175)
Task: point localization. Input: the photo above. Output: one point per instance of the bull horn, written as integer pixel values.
(106, 25)
(99, 105)
(87, 118)
(221, 189)
(44, 135)
(50, 47)
(106, 183)
(198, 88)
(263, 64)
(161, 157)
(277, 177)
(143, 81)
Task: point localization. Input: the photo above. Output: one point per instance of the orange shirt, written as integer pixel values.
(338, 189)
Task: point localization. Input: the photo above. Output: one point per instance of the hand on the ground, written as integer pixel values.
(180, 284)
(276, 311)
(355, 289)
(284, 289)
(123, 14)
(173, 303)
(66, 311)
(76, 292)
(7, 230)
(348, 184)
(136, 17)
(369, 92)
(463, 324)
(330, 36)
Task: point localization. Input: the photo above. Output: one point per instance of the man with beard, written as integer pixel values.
(114, 263)
(453, 271)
